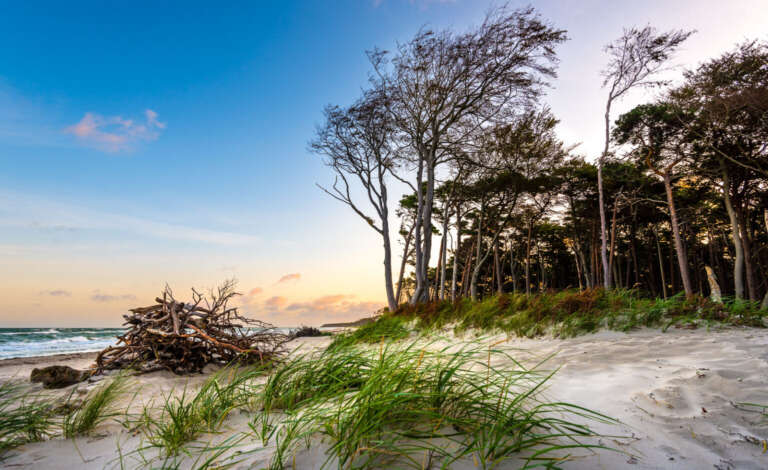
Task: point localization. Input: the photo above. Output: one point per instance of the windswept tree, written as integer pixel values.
(357, 144)
(728, 99)
(634, 61)
(444, 88)
(661, 143)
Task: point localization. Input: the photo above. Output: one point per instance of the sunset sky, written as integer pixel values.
(143, 143)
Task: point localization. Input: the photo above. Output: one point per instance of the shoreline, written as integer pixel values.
(27, 360)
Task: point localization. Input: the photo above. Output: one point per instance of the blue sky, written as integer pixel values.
(146, 142)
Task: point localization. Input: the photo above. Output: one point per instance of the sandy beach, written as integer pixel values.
(677, 395)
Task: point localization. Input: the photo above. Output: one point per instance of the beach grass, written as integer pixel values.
(23, 418)
(98, 406)
(414, 404)
(184, 417)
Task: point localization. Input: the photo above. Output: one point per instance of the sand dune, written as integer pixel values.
(677, 395)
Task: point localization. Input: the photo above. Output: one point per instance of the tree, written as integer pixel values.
(727, 98)
(357, 144)
(661, 142)
(634, 59)
(444, 88)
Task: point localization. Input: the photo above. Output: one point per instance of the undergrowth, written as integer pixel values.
(571, 313)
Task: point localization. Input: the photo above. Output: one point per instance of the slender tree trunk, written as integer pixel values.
(444, 253)
(391, 301)
(612, 249)
(404, 261)
(528, 261)
(497, 264)
(440, 266)
(682, 258)
(578, 268)
(478, 263)
(467, 268)
(633, 248)
(454, 274)
(748, 267)
(427, 230)
(416, 296)
(607, 281)
(512, 270)
(738, 263)
(661, 265)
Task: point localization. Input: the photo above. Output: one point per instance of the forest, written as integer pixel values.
(451, 155)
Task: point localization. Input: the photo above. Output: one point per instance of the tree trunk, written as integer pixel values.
(497, 264)
(444, 253)
(682, 258)
(403, 263)
(391, 301)
(478, 263)
(426, 252)
(454, 274)
(661, 265)
(745, 240)
(607, 281)
(528, 261)
(512, 270)
(738, 264)
(467, 268)
(415, 297)
(612, 248)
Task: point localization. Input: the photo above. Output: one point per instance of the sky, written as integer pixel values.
(145, 143)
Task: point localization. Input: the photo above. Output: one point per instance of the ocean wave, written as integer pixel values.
(27, 342)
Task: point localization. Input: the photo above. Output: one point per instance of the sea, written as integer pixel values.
(28, 342)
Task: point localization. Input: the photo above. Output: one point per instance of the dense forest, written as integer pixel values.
(495, 202)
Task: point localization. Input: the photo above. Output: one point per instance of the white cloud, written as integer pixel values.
(114, 133)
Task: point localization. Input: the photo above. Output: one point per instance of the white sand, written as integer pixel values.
(658, 384)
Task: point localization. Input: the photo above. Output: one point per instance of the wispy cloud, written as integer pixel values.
(275, 302)
(114, 133)
(289, 277)
(99, 297)
(255, 291)
(57, 293)
(337, 307)
(24, 211)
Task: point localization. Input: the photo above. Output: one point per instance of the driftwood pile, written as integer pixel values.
(185, 337)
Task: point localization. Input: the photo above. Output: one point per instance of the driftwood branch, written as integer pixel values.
(185, 337)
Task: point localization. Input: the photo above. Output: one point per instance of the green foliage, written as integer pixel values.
(386, 327)
(569, 313)
(414, 405)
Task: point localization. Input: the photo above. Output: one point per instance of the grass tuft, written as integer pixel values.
(23, 419)
(185, 417)
(97, 407)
